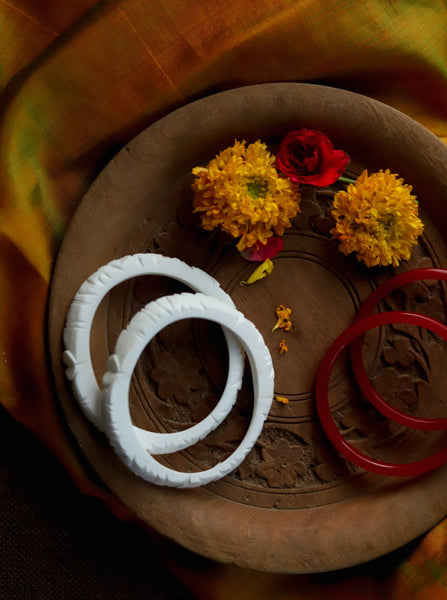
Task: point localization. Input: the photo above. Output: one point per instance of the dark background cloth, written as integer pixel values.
(57, 543)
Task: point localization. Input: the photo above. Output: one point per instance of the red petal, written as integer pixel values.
(261, 252)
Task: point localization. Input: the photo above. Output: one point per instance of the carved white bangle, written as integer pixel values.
(131, 342)
(77, 341)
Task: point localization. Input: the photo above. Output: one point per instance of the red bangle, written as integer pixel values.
(356, 353)
(322, 401)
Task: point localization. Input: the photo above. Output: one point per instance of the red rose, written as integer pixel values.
(307, 156)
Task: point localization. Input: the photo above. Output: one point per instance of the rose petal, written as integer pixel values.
(261, 252)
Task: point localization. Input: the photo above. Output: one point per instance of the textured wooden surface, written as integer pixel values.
(293, 505)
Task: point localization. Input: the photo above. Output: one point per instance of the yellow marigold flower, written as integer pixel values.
(241, 191)
(283, 313)
(377, 218)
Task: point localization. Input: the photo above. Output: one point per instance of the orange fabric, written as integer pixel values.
(79, 78)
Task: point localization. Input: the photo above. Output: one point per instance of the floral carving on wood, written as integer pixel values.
(290, 456)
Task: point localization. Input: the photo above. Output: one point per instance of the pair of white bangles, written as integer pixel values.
(108, 407)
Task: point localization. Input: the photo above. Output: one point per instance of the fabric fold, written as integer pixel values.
(80, 79)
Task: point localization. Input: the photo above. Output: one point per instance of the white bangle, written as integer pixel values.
(76, 337)
(131, 342)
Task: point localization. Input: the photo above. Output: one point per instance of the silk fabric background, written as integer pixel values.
(80, 78)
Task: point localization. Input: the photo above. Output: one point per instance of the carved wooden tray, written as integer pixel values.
(294, 505)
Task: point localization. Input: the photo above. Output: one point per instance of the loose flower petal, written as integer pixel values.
(283, 313)
(262, 271)
(260, 252)
(282, 347)
(282, 399)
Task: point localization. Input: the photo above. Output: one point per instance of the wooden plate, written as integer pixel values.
(294, 505)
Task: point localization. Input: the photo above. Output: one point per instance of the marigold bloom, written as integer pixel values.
(241, 192)
(377, 218)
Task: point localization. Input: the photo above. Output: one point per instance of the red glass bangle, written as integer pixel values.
(322, 401)
(356, 353)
